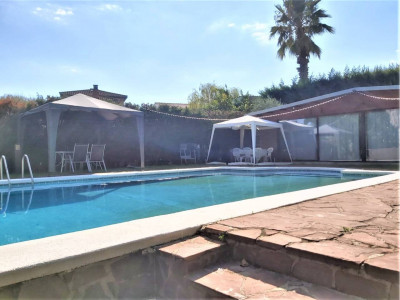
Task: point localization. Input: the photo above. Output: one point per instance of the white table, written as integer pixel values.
(63, 157)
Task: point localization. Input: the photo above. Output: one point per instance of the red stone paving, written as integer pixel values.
(337, 250)
(190, 248)
(277, 241)
(354, 226)
(365, 238)
(386, 262)
(217, 228)
(253, 283)
(246, 235)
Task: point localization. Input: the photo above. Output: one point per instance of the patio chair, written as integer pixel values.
(186, 153)
(260, 154)
(248, 154)
(237, 154)
(80, 155)
(269, 153)
(97, 156)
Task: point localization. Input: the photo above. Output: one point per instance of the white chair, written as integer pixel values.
(80, 156)
(269, 153)
(97, 156)
(248, 154)
(237, 154)
(185, 153)
(260, 154)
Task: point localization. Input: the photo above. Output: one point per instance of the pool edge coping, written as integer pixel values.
(41, 257)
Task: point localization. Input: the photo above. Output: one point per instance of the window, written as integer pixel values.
(301, 138)
(382, 135)
(339, 138)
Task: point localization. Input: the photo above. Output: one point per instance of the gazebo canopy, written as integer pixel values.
(85, 103)
(251, 123)
(80, 102)
(246, 122)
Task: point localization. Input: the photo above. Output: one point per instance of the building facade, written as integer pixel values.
(359, 124)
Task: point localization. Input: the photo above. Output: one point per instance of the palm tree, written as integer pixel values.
(296, 23)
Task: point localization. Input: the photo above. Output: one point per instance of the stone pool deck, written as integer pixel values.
(346, 243)
(348, 225)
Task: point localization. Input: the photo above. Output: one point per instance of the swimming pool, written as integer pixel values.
(51, 209)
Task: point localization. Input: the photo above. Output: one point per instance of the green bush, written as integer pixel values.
(333, 82)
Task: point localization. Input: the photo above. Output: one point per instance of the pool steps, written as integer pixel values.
(218, 264)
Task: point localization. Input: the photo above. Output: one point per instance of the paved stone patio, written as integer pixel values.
(356, 230)
(347, 225)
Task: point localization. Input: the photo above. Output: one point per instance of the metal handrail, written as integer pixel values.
(29, 167)
(3, 159)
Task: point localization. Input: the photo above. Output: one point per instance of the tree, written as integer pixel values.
(211, 97)
(296, 23)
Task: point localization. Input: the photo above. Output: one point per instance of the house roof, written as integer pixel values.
(96, 93)
(327, 96)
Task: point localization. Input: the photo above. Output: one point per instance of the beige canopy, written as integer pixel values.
(80, 102)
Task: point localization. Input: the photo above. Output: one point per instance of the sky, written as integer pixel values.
(160, 51)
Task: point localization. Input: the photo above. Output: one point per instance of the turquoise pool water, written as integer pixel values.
(53, 210)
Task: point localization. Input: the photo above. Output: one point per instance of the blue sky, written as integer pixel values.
(159, 51)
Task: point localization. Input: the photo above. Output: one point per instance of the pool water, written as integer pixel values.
(32, 214)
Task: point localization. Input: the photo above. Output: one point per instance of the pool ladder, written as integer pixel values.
(4, 161)
(25, 157)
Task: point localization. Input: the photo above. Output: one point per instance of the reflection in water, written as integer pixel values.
(4, 204)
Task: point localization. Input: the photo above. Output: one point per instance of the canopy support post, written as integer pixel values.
(253, 140)
(140, 128)
(241, 137)
(52, 118)
(209, 147)
(287, 147)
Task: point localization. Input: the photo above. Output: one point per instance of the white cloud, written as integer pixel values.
(261, 37)
(255, 26)
(69, 69)
(64, 12)
(109, 7)
(258, 31)
(53, 13)
(220, 25)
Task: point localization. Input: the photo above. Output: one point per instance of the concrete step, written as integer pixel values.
(230, 280)
(352, 269)
(199, 249)
(178, 259)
